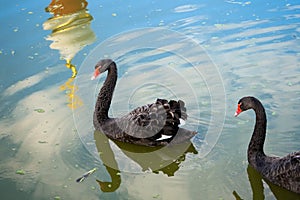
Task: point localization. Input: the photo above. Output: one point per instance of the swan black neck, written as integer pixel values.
(106, 93)
(256, 145)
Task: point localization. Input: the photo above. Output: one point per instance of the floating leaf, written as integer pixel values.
(39, 110)
(20, 171)
(219, 25)
(204, 103)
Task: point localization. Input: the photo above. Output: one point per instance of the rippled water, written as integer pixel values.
(209, 54)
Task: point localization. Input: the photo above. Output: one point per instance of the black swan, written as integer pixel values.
(155, 124)
(282, 171)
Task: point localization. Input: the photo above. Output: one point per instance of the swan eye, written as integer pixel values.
(240, 105)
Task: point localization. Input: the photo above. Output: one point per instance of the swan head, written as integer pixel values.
(244, 104)
(101, 67)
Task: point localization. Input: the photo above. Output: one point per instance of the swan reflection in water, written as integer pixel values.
(257, 186)
(157, 159)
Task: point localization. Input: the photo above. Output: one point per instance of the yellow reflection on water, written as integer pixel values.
(73, 100)
(71, 30)
(72, 67)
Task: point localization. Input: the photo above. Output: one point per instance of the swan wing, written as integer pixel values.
(285, 171)
(159, 120)
(290, 165)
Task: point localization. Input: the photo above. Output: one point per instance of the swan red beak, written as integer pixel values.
(238, 110)
(96, 73)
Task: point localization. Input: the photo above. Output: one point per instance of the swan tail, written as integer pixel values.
(175, 115)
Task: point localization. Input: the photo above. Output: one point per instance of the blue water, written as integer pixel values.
(208, 53)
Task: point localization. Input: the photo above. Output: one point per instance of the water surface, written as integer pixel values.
(47, 137)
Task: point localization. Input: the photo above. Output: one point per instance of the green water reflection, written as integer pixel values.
(257, 186)
(167, 160)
